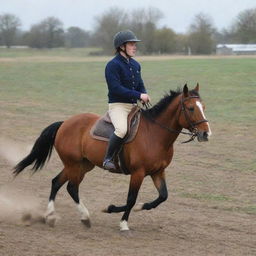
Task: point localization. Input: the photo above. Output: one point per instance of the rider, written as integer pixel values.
(125, 87)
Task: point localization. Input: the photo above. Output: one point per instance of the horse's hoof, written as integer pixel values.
(105, 210)
(50, 220)
(108, 209)
(138, 207)
(87, 223)
(124, 226)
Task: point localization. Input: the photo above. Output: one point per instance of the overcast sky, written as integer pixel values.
(178, 14)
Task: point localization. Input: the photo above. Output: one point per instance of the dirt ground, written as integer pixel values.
(209, 210)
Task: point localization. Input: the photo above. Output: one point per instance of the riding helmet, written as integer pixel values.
(123, 37)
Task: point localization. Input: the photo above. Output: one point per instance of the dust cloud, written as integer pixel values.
(13, 151)
(14, 205)
(18, 207)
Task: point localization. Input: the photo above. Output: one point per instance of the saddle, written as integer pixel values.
(103, 128)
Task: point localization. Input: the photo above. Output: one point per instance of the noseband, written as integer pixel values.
(192, 125)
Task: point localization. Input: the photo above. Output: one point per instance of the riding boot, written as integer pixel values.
(114, 146)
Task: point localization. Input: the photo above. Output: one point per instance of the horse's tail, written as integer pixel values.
(41, 150)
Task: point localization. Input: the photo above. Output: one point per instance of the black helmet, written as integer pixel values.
(123, 37)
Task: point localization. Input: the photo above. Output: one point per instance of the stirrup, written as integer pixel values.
(109, 165)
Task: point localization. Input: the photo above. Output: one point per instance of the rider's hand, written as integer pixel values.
(144, 97)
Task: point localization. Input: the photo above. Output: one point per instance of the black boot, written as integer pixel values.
(114, 146)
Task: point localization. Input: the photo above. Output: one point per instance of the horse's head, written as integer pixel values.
(192, 115)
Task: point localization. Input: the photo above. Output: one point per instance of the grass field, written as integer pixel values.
(216, 175)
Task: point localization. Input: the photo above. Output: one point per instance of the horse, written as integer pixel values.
(148, 154)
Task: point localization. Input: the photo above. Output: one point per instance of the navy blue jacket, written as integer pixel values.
(124, 80)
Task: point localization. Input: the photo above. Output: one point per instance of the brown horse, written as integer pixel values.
(148, 154)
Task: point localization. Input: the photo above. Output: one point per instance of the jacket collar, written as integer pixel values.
(122, 58)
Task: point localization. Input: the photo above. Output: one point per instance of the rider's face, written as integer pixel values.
(131, 48)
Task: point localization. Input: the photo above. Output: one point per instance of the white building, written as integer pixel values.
(235, 49)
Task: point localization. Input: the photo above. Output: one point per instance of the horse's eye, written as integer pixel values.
(191, 109)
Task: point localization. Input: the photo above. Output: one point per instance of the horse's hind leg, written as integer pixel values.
(57, 183)
(73, 190)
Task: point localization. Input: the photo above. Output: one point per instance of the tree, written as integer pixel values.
(107, 26)
(244, 28)
(141, 21)
(47, 34)
(201, 35)
(8, 27)
(164, 40)
(76, 37)
(36, 37)
(144, 24)
(182, 45)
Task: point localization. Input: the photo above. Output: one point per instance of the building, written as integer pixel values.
(235, 49)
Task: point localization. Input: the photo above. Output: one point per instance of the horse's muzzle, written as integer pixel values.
(202, 136)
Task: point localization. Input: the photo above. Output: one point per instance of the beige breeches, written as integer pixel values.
(118, 113)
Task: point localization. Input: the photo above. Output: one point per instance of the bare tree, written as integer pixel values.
(76, 37)
(107, 25)
(47, 34)
(244, 27)
(54, 32)
(165, 40)
(8, 27)
(201, 35)
(144, 23)
(141, 21)
(182, 45)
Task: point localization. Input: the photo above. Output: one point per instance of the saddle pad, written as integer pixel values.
(103, 128)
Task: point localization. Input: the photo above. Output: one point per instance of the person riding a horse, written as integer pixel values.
(125, 88)
(148, 154)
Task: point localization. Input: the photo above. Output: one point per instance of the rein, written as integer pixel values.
(192, 126)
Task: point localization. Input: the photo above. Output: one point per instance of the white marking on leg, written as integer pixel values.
(50, 217)
(83, 210)
(50, 208)
(124, 225)
(200, 106)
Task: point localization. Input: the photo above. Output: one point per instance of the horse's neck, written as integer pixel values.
(167, 126)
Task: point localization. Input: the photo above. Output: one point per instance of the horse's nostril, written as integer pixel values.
(205, 134)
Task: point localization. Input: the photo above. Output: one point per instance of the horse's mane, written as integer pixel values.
(163, 103)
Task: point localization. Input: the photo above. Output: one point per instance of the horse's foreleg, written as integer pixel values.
(160, 184)
(135, 183)
(57, 183)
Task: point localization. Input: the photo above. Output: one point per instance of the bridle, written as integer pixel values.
(192, 125)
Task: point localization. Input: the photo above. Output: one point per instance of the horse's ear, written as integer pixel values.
(185, 90)
(197, 87)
